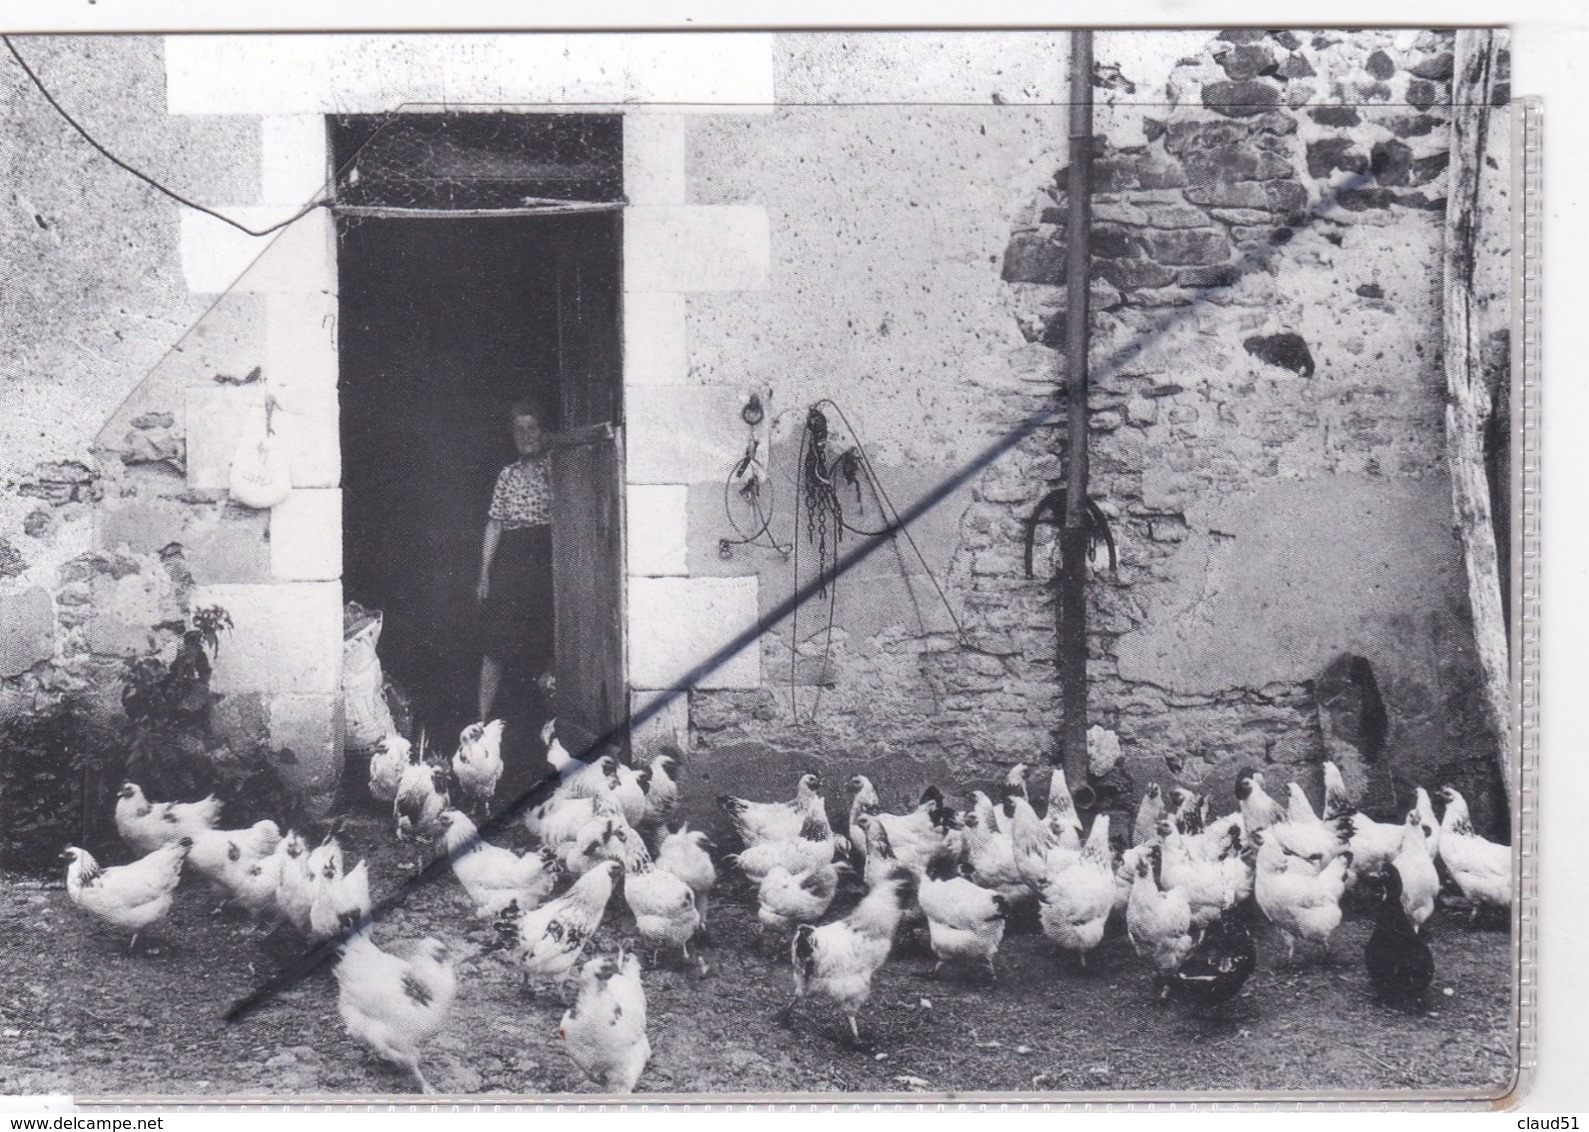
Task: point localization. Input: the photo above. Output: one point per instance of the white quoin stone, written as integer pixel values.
(285, 638)
(311, 728)
(323, 74)
(301, 342)
(682, 434)
(310, 422)
(689, 248)
(306, 536)
(293, 161)
(217, 258)
(214, 426)
(655, 341)
(658, 517)
(679, 624)
(653, 159)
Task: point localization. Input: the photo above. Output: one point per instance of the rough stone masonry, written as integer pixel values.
(1266, 438)
(1266, 429)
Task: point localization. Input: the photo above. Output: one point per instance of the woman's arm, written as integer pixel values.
(488, 552)
(584, 434)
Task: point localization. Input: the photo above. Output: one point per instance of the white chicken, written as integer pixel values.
(1304, 899)
(225, 856)
(1420, 882)
(604, 1031)
(1015, 782)
(1146, 828)
(1482, 869)
(964, 920)
(551, 938)
(560, 818)
(878, 859)
(130, 896)
(816, 845)
(839, 960)
(1306, 836)
(1158, 920)
(578, 778)
(785, 900)
(1373, 844)
(1037, 852)
(602, 838)
(1126, 872)
(1258, 810)
(477, 765)
(630, 793)
(495, 877)
(1077, 897)
(341, 899)
(916, 836)
(1208, 885)
(756, 822)
(387, 760)
(392, 1006)
(863, 800)
(686, 853)
(256, 890)
(421, 797)
(1431, 823)
(991, 853)
(1061, 817)
(1337, 800)
(295, 885)
(663, 906)
(662, 789)
(146, 825)
(1218, 835)
(1188, 810)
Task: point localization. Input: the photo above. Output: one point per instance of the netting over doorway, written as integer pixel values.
(476, 161)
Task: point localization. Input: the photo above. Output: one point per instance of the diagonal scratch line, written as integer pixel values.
(541, 791)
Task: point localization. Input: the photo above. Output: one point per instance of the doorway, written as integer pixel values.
(445, 321)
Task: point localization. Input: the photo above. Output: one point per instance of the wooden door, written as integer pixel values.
(587, 484)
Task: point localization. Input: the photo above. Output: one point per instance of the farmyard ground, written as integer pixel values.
(77, 1015)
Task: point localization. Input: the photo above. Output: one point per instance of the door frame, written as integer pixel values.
(541, 208)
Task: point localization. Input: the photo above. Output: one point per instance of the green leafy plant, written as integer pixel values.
(209, 621)
(173, 750)
(168, 710)
(57, 783)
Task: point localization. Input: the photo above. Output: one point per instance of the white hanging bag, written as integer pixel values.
(261, 477)
(367, 718)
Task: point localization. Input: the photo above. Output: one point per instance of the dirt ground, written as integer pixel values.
(77, 1015)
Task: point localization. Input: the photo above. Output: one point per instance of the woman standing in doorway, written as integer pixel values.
(515, 586)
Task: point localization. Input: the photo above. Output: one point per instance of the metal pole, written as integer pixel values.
(1071, 603)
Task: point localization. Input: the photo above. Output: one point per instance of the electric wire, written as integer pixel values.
(743, 539)
(895, 523)
(142, 176)
(766, 517)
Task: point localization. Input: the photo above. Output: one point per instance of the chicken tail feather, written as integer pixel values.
(804, 950)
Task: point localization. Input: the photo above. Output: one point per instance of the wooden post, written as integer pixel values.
(1468, 405)
(1071, 599)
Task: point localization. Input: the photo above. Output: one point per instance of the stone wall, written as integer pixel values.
(93, 282)
(870, 219)
(1266, 426)
(1267, 416)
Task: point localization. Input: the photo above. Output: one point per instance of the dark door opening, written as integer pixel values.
(444, 323)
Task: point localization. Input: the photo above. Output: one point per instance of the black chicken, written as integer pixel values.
(1218, 966)
(1399, 963)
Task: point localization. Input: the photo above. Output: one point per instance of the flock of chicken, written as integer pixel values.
(1185, 890)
